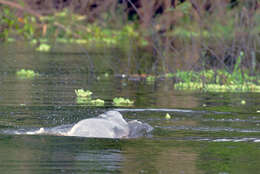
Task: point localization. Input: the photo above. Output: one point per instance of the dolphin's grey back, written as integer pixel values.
(114, 116)
(108, 125)
(111, 124)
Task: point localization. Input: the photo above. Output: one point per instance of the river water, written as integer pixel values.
(212, 133)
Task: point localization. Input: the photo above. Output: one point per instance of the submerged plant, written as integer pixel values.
(82, 93)
(120, 101)
(26, 73)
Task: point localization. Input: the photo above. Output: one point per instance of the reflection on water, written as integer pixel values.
(160, 157)
(45, 154)
(35, 154)
(49, 154)
(208, 132)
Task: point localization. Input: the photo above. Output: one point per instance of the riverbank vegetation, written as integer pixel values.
(203, 45)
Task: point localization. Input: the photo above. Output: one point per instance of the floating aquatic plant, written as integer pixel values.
(83, 100)
(243, 102)
(120, 101)
(217, 87)
(84, 97)
(97, 102)
(218, 80)
(89, 101)
(169, 75)
(168, 116)
(43, 48)
(33, 41)
(82, 93)
(150, 78)
(9, 39)
(26, 73)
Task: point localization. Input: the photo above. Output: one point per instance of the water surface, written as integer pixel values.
(208, 132)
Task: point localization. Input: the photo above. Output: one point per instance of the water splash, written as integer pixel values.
(108, 125)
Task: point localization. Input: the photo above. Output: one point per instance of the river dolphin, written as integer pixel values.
(109, 125)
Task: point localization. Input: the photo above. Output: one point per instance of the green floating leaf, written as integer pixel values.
(44, 48)
(26, 73)
(243, 102)
(120, 101)
(150, 78)
(10, 39)
(83, 100)
(97, 102)
(168, 116)
(169, 75)
(82, 93)
(88, 101)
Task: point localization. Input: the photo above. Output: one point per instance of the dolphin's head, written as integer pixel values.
(138, 129)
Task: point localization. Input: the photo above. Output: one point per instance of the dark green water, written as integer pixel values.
(222, 137)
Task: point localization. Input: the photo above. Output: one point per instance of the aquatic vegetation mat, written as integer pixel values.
(217, 87)
(26, 74)
(120, 101)
(217, 81)
(84, 97)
